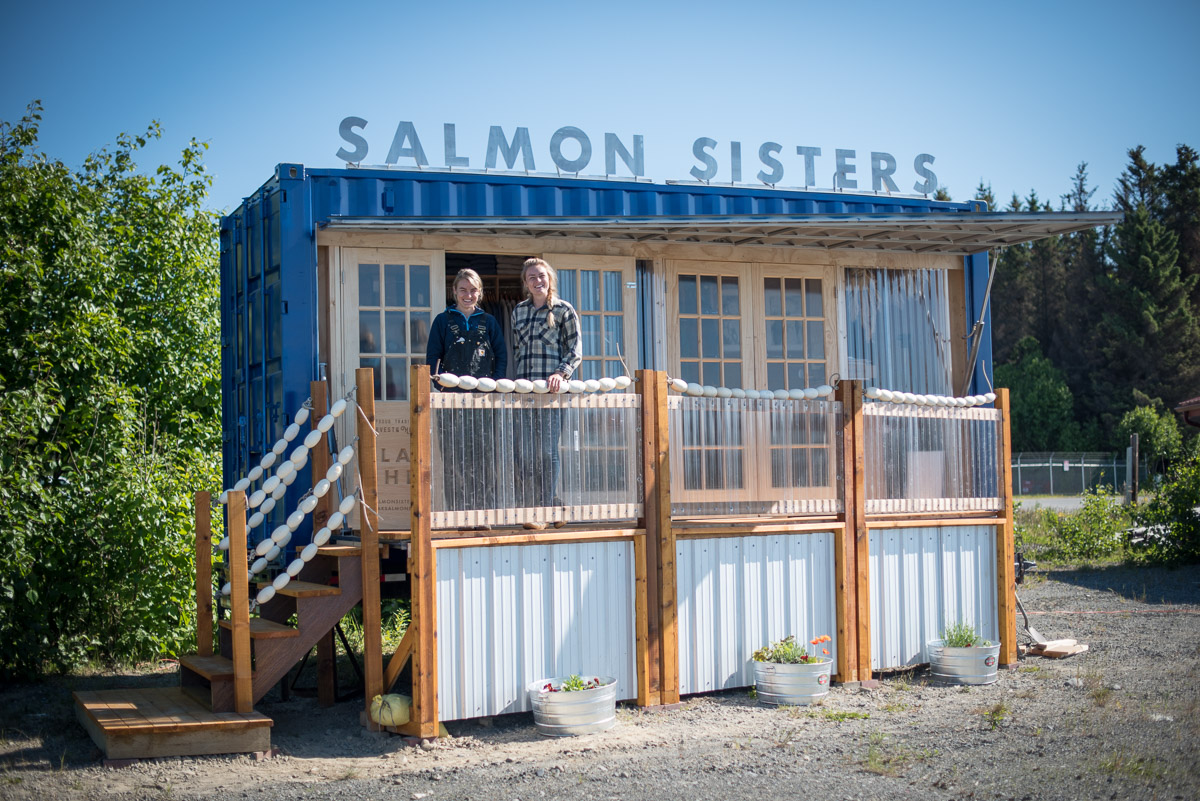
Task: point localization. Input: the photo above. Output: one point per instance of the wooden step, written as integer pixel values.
(262, 629)
(339, 550)
(209, 667)
(165, 721)
(304, 589)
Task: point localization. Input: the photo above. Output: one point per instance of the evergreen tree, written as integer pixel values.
(1012, 297)
(1043, 417)
(1181, 212)
(1048, 284)
(1148, 328)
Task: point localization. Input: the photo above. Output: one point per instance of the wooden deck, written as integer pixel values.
(165, 721)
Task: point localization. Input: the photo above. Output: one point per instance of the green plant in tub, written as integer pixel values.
(962, 635)
(788, 652)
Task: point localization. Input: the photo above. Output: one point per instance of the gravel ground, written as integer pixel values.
(1120, 721)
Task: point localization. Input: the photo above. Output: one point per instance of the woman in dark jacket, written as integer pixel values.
(466, 340)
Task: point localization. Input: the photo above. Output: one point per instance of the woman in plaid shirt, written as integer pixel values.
(546, 333)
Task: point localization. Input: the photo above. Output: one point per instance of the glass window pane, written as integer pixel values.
(397, 379)
(690, 372)
(419, 326)
(393, 326)
(795, 339)
(774, 297)
(733, 375)
(689, 338)
(368, 285)
(373, 363)
(393, 284)
(566, 287)
(687, 294)
(368, 332)
(732, 330)
(590, 335)
(816, 374)
(793, 290)
(614, 335)
(729, 296)
(709, 295)
(710, 346)
(812, 291)
(613, 368)
(816, 340)
(775, 376)
(589, 369)
(712, 373)
(612, 291)
(774, 339)
(795, 375)
(589, 290)
(418, 287)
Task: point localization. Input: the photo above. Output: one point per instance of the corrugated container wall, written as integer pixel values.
(269, 316)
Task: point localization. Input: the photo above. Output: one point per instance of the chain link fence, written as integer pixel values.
(1073, 473)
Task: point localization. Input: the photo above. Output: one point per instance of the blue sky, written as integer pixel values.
(1014, 93)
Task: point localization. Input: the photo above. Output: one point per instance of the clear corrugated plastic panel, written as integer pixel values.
(732, 456)
(898, 330)
(509, 459)
(931, 459)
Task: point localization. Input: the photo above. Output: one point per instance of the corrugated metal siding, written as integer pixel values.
(924, 578)
(400, 193)
(737, 594)
(511, 615)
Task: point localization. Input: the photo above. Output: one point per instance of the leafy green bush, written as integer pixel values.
(1170, 517)
(1095, 532)
(962, 635)
(109, 401)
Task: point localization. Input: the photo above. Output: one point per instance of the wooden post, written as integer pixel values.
(368, 470)
(239, 603)
(326, 675)
(649, 664)
(423, 721)
(204, 587)
(862, 542)
(844, 551)
(668, 587)
(1006, 571)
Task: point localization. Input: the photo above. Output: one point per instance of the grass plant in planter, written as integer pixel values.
(786, 673)
(571, 705)
(961, 656)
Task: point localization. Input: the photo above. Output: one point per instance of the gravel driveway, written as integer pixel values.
(1120, 721)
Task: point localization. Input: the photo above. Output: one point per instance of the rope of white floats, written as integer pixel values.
(523, 386)
(263, 500)
(896, 396)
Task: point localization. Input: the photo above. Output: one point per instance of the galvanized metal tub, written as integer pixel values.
(563, 714)
(792, 684)
(974, 665)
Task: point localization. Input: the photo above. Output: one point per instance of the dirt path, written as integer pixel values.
(1121, 721)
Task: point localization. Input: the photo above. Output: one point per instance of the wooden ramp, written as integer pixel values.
(165, 721)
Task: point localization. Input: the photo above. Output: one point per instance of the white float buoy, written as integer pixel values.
(467, 382)
(990, 397)
(291, 432)
(591, 385)
(872, 392)
(796, 394)
(325, 423)
(322, 536)
(335, 521)
(694, 390)
(262, 548)
(308, 504)
(295, 519)
(309, 552)
(255, 519)
(345, 455)
(279, 491)
(334, 472)
(575, 386)
(268, 460)
(265, 594)
(487, 384)
(255, 499)
(781, 394)
(284, 540)
(607, 384)
(541, 386)
(824, 391)
(300, 456)
(255, 474)
(737, 392)
(313, 438)
(241, 485)
(885, 395)
(752, 394)
(279, 533)
(290, 478)
(281, 581)
(505, 385)
(271, 554)
(724, 392)
(321, 487)
(301, 416)
(285, 467)
(811, 393)
(223, 498)
(679, 385)
(710, 391)
(279, 447)
(223, 545)
(623, 381)
(523, 386)
(338, 407)
(347, 504)
(260, 564)
(295, 567)
(448, 380)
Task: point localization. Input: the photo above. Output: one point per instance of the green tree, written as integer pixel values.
(1159, 438)
(1148, 329)
(1043, 417)
(109, 399)
(1181, 212)
(1013, 296)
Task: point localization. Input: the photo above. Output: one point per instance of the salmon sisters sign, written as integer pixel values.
(714, 161)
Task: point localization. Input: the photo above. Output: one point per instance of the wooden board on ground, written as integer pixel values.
(1063, 650)
(164, 721)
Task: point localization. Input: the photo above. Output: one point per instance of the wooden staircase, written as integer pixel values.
(325, 590)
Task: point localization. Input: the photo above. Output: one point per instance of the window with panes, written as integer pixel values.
(394, 316)
(710, 330)
(597, 297)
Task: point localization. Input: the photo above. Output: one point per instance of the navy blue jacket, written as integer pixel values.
(467, 347)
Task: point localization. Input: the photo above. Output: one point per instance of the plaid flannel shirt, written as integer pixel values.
(541, 350)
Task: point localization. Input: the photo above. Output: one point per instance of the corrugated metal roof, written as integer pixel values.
(954, 233)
